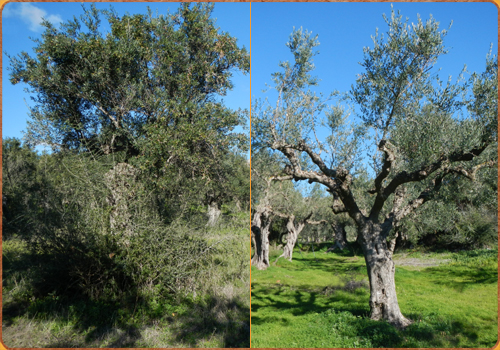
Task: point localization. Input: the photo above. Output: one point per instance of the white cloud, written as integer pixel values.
(30, 14)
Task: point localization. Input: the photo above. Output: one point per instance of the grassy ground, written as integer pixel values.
(217, 315)
(321, 300)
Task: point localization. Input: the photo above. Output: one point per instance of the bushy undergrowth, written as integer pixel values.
(475, 258)
(96, 253)
(209, 309)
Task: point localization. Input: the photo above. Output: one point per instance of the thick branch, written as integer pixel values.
(311, 222)
(471, 174)
(428, 193)
(338, 181)
(427, 170)
(386, 167)
(424, 172)
(337, 206)
(302, 146)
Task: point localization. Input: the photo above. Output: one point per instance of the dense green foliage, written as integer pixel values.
(320, 300)
(61, 254)
(114, 219)
(149, 91)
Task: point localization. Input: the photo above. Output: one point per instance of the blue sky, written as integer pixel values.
(345, 28)
(21, 21)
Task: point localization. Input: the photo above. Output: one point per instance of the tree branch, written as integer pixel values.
(427, 194)
(337, 181)
(386, 167)
(424, 172)
(312, 222)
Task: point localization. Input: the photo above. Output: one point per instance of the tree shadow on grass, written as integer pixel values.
(303, 301)
(428, 330)
(219, 317)
(461, 278)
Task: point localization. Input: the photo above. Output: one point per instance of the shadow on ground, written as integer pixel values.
(274, 303)
(216, 316)
(83, 322)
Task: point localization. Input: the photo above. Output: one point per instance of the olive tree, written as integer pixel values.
(148, 92)
(423, 133)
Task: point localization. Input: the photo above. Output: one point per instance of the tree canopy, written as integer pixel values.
(150, 88)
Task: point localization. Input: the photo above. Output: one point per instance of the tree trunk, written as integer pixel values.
(340, 236)
(292, 235)
(261, 225)
(213, 213)
(291, 238)
(402, 240)
(381, 269)
(121, 180)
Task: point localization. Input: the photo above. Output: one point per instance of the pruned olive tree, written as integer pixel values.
(261, 221)
(424, 133)
(299, 208)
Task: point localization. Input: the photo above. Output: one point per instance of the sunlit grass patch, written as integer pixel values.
(321, 300)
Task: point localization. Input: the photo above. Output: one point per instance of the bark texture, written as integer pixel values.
(261, 225)
(213, 213)
(121, 180)
(340, 237)
(291, 238)
(381, 269)
(293, 231)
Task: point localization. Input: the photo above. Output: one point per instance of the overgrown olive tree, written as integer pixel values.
(148, 92)
(425, 133)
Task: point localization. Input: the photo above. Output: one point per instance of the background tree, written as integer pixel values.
(424, 133)
(462, 216)
(21, 186)
(297, 211)
(262, 218)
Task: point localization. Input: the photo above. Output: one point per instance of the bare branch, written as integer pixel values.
(425, 171)
(312, 222)
(386, 167)
(471, 174)
(337, 181)
(428, 193)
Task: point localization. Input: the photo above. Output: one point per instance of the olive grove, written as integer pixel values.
(418, 133)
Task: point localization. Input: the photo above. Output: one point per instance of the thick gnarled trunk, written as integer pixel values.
(261, 224)
(123, 186)
(340, 237)
(293, 232)
(381, 270)
(291, 239)
(213, 213)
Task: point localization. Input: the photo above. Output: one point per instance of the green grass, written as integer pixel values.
(214, 314)
(321, 300)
